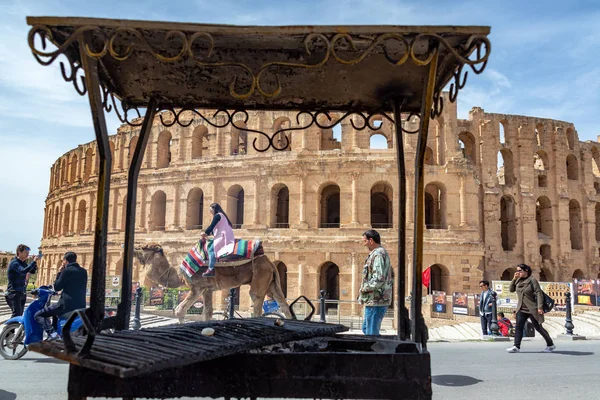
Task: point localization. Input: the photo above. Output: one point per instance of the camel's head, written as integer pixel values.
(146, 254)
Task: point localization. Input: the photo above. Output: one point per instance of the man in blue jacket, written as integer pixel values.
(72, 280)
(17, 275)
(485, 307)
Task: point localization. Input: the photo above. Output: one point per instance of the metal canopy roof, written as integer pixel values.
(347, 68)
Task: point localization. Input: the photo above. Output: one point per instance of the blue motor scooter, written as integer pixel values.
(19, 332)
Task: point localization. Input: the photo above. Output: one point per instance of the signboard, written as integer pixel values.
(439, 301)
(586, 292)
(460, 303)
(156, 296)
(112, 288)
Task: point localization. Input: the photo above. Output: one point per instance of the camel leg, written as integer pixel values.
(207, 312)
(258, 289)
(276, 293)
(186, 304)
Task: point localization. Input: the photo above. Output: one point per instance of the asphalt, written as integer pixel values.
(465, 370)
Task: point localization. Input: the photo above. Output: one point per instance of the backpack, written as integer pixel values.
(548, 304)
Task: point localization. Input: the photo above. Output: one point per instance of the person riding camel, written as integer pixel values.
(221, 230)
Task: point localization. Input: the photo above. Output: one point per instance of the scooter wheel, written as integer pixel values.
(11, 347)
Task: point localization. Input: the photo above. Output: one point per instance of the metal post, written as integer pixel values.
(138, 300)
(322, 307)
(231, 302)
(124, 306)
(568, 321)
(494, 325)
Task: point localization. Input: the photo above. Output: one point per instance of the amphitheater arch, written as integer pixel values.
(330, 206)
(378, 140)
(163, 154)
(73, 168)
(440, 277)
(429, 158)
(280, 209)
(89, 163)
(575, 225)
(282, 269)
(63, 171)
(329, 281)
(505, 173)
(235, 206)
(502, 128)
(543, 216)
(66, 219)
(595, 162)
(578, 274)
(572, 168)
(56, 219)
(540, 135)
(281, 138)
(467, 144)
(540, 165)
(158, 211)
(382, 205)
(81, 214)
(435, 206)
(199, 134)
(508, 223)
(195, 209)
(571, 138)
(48, 230)
(508, 274)
(239, 138)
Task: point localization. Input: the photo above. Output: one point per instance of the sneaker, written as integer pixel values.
(549, 349)
(513, 349)
(53, 336)
(209, 273)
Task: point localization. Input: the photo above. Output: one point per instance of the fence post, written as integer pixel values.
(568, 320)
(322, 307)
(136, 318)
(494, 325)
(231, 302)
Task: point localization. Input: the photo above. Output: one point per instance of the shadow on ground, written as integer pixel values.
(48, 360)
(4, 395)
(454, 380)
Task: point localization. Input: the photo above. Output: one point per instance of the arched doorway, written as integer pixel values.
(575, 225)
(439, 278)
(158, 210)
(508, 228)
(330, 207)
(235, 206)
(330, 283)
(578, 274)
(195, 208)
(435, 206)
(381, 205)
(508, 274)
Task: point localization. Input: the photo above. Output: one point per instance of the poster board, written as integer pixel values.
(460, 303)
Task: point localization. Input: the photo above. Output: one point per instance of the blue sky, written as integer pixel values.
(544, 63)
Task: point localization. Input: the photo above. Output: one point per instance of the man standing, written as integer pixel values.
(72, 280)
(376, 288)
(17, 275)
(485, 307)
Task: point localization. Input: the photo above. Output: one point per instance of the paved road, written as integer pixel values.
(468, 370)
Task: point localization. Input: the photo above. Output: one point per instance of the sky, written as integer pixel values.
(545, 62)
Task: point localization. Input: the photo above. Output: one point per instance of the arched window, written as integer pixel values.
(235, 206)
(73, 168)
(63, 171)
(508, 223)
(282, 269)
(502, 132)
(543, 217)
(282, 138)
(281, 201)
(381, 205)
(329, 281)
(540, 135)
(435, 206)
(49, 226)
(89, 163)
(81, 213)
(505, 172)
(379, 141)
(572, 168)
(330, 206)
(195, 208)
(158, 211)
(440, 141)
(546, 252)
(429, 159)
(540, 165)
(66, 219)
(132, 145)
(198, 136)
(439, 278)
(578, 274)
(56, 220)
(508, 274)
(467, 144)
(575, 225)
(164, 150)
(571, 138)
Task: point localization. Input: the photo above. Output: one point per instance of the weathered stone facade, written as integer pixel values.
(311, 204)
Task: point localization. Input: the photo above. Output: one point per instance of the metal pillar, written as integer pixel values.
(137, 324)
(494, 325)
(231, 303)
(124, 306)
(322, 307)
(417, 322)
(568, 320)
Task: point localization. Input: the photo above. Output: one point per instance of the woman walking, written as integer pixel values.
(531, 300)
(223, 242)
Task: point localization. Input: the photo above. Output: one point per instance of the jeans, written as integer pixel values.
(486, 323)
(16, 302)
(42, 317)
(212, 259)
(372, 319)
(520, 327)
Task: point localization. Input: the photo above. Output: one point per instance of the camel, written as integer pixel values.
(265, 281)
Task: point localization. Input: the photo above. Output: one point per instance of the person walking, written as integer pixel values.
(485, 307)
(223, 241)
(529, 306)
(17, 276)
(376, 288)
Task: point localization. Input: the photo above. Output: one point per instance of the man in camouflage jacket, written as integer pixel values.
(377, 283)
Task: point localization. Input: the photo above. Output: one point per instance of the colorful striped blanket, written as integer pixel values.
(196, 259)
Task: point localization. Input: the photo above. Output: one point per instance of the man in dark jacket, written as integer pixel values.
(72, 280)
(17, 276)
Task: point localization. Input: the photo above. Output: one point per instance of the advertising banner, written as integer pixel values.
(112, 287)
(156, 296)
(586, 292)
(439, 301)
(460, 303)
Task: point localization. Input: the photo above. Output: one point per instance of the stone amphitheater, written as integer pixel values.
(500, 190)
